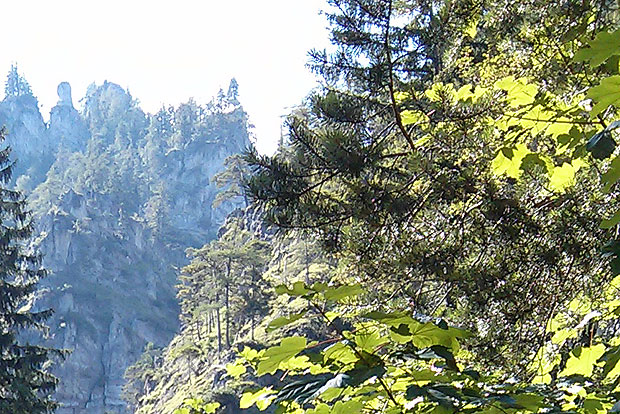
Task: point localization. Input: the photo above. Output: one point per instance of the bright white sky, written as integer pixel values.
(169, 51)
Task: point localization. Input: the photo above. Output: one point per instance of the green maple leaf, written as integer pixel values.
(235, 370)
(612, 175)
(347, 407)
(338, 293)
(519, 92)
(611, 222)
(605, 94)
(288, 348)
(283, 321)
(601, 48)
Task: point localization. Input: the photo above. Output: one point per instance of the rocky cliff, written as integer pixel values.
(118, 195)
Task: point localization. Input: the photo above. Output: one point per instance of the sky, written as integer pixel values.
(165, 52)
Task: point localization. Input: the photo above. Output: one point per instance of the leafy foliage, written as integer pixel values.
(447, 183)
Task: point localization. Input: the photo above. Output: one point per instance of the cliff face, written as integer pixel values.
(118, 195)
(32, 149)
(112, 289)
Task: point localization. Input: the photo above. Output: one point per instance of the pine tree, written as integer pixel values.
(233, 92)
(25, 382)
(16, 84)
(231, 180)
(412, 204)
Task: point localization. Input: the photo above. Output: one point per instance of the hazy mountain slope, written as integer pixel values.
(118, 195)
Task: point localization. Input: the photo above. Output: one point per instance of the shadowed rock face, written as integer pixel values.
(113, 293)
(27, 136)
(116, 205)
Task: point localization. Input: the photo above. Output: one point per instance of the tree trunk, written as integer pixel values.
(227, 319)
(228, 271)
(189, 367)
(307, 262)
(252, 327)
(219, 331)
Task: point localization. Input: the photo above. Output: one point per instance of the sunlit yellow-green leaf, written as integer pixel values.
(288, 348)
(249, 354)
(465, 92)
(559, 126)
(439, 90)
(562, 178)
(192, 405)
(297, 363)
(519, 91)
(210, 408)
(369, 341)
(543, 365)
(235, 370)
(401, 97)
(321, 408)
(409, 117)
(583, 360)
(341, 353)
(537, 119)
(468, 92)
(249, 398)
(264, 403)
(562, 335)
(472, 29)
(347, 407)
(508, 161)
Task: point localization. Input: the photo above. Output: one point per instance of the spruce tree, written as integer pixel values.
(16, 84)
(25, 382)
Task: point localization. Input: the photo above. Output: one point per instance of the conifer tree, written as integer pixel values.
(25, 382)
(231, 180)
(411, 204)
(16, 84)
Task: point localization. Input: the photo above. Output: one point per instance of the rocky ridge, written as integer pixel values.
(117, 195)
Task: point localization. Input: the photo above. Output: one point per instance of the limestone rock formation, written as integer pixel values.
(67, 129)
(118, 195)
(31, 148)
